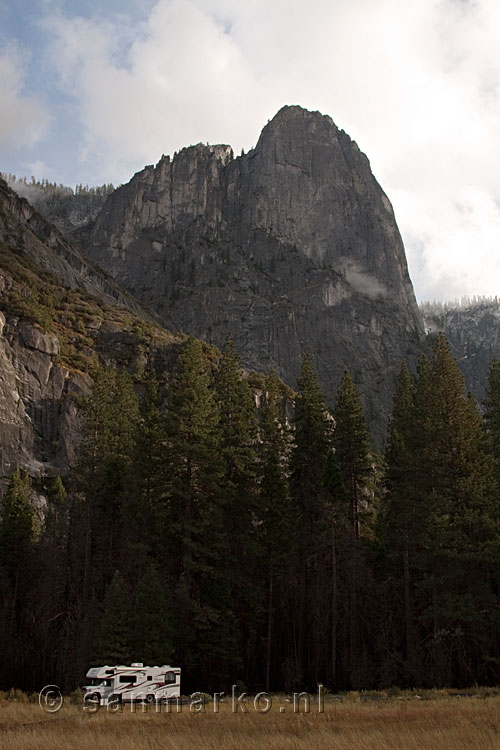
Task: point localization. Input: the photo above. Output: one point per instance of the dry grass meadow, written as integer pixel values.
(402, 723)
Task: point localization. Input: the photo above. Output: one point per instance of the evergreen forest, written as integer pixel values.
(261, 538)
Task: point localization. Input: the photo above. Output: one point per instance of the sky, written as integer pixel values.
(90, 92)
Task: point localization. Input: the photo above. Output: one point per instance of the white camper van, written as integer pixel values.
(135, 683)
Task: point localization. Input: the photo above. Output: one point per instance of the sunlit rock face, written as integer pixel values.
(40, 393)
(292, 247)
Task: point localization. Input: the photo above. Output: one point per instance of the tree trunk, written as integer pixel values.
(334, 606)
(269, 628)
(409, 621)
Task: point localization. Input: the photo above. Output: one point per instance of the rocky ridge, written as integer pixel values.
(291, 247)
(59, 318)
(473, 331)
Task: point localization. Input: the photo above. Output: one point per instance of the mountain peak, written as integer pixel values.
(303, 123)
(292, 247)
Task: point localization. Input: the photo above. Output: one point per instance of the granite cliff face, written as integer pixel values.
(59, 317)
(70, 210)
(291, 247)
(24, 230)
(473, 331)
(38, 414)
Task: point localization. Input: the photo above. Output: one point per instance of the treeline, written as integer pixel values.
(45, 186)
(197, 530)
(477, 300)
(70, 210)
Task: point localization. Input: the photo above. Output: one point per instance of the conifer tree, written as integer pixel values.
(97, 432)
(237, 428)
(18, 575)
(492, 411)
(352, 451)
(237, 435)
(96, 508)
(115, 635)
(54, 577)
(125, 415)
(352, 447)
(397, 521)
(277, 523)
(103, 470)
(312, 445)
(18, 527)
(455, 528)
(146, 502)
(152, 621)
(276, 510)
(312, 440)
(336, 502)
(194, 459)
(198, 545)
(113, 488)
(58, 493)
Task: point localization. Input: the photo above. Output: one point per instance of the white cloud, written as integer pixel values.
(183, 78)
(416, 84)
(453, 246)
(23, 119)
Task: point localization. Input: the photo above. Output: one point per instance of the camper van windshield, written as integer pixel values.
(96, 681)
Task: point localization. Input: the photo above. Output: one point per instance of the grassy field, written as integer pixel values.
(445, 723)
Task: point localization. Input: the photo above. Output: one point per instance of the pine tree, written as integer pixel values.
(112, 491)
(18, 577)
(18, 527)
(277, 523)
(492, 411)
(54, 579)
(455, 528)
(312, 445)
(152, 621)
(96, 509)
(103, 471)
(276, 510)
(198, 545)
(146, 503)
(397, 520)
(125, 415)
(336, 502)
(352, 451)
(352, 447)
(194, 461)
(97, 431)
(237, 435)
(312, 440)
(115, 636)
(237, 429)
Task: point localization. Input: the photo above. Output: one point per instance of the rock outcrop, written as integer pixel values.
(59, 316)
(473, 332)
(24, 229)
(59, 319)
(39, 416)
(292, 247)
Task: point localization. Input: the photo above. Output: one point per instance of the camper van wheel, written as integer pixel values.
(150, 698)
(94, 698)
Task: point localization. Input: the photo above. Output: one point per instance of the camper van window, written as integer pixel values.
(150, 676)
(96, 681)
(169, 677)
(128, 678)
